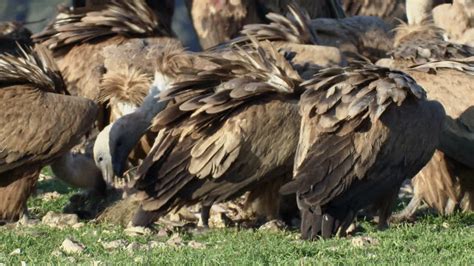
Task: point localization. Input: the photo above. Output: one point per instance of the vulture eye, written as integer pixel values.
(100, 159)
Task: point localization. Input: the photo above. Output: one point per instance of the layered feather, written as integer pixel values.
(293, 28)
(210, 94)
(423, 48)
(126, 18)
(34, 67)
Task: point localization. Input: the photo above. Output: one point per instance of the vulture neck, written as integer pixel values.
(151, 105)
(418, 10)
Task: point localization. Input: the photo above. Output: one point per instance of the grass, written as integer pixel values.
(431, 240)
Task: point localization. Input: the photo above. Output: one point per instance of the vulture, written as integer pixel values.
(445, 71)
(364, 129)
(117, 140)
(216, 136)
(218, 21)
(39, 122)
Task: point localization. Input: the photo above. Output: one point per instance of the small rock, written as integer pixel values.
(364, 241)
(56, 253)
(220, 220)
(134, 246)
(72, 247)
(137, 231)
(97, 263)
(78, 225)
(23, 263)
(49, 196)
(15, 252)
(175, 241)
(273, 225)
(196, 245)
(116, 244)
(60, 220)
(162, 233)
(445, 225)
(154, 244)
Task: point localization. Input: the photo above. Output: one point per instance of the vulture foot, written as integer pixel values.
(407, 214)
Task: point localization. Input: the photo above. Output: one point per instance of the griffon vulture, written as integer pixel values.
(291, 34)
(363, 131)
(38, 123)
(445, 71)
(217, 133)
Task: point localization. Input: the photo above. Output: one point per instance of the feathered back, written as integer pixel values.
(129, 85)
(127, 18)
(211, 94)
(339, 95)
(293, 28)
(35, 67)
(423, 47)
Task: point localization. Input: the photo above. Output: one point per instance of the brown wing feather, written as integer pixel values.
(126, 18)
(293, 28)
(331, 156)
(36, 123)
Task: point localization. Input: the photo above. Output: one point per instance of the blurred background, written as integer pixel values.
(37, 13)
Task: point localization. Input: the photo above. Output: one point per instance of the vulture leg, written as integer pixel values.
(385, 206)
(14, 195)
(346, 223)
(409, 211)
(205, 213)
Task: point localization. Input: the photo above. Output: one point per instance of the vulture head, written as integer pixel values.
(116, 141)
(123, 90)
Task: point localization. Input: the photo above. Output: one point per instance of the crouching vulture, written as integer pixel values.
(290, 33)
(217, 134)
(39, 122)
(364, 130)
(445, 71)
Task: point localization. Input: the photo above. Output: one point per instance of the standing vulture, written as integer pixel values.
(445, 71)
(38, 123)
(364, 130)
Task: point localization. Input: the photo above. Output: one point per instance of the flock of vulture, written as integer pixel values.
(319, 106)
